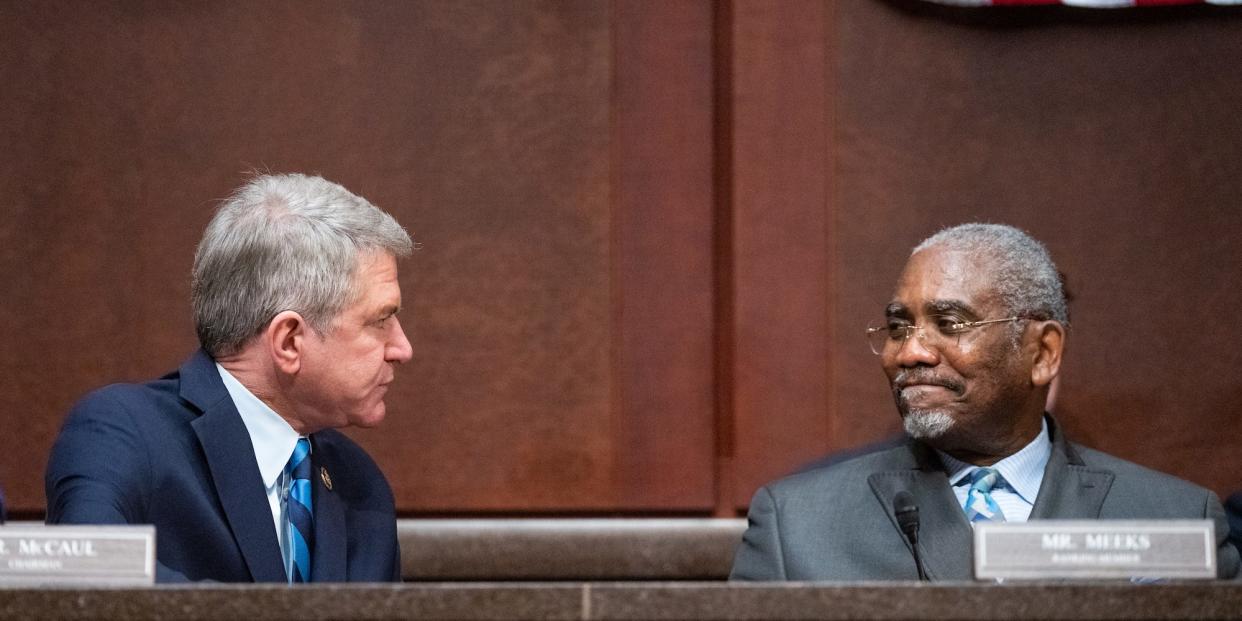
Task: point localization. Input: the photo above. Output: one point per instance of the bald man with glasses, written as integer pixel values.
(971, 343)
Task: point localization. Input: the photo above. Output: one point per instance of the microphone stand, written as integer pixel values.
(907, 514)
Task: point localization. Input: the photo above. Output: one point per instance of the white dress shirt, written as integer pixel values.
(1023, 473)
(273, 440)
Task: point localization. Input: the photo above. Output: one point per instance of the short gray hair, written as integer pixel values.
(283, 242)
(1021, 268)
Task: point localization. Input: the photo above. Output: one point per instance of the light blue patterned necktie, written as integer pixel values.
(300, 513)
(980, 506)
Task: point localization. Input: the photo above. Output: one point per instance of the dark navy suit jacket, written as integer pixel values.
(1233, 508)
(175, 453)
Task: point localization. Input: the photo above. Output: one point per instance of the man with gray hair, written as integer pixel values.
(235, 457)
(971, 343)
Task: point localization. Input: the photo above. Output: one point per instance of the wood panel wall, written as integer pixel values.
(651, 232)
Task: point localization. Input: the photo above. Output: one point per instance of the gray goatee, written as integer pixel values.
(923, 425)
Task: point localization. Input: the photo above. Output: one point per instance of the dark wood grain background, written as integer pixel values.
(651, 232)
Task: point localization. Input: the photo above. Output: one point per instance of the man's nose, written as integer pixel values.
(913, 351)
(399, 349)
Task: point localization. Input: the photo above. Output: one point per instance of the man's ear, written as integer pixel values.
(284, 337)
(1049, 344)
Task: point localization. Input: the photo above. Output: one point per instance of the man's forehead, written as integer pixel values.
(942, 280)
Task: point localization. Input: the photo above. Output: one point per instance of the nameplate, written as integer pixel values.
(105, 555)
(1043, 549)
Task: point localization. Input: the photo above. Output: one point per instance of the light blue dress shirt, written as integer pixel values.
(1023, 473)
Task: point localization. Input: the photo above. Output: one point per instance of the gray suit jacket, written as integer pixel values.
(837, 523)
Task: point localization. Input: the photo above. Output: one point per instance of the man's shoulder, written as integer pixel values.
(156, 398)
(1138, 479)
(161, 398)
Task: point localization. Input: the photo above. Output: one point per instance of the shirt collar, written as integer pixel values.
(272, 437)
(1023, 471)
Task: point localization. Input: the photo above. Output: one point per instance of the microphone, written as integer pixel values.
(907, 514)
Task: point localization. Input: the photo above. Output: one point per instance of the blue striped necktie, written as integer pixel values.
(980, 506)
(300, 513)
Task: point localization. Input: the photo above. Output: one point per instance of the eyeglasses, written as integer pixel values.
(947, 331)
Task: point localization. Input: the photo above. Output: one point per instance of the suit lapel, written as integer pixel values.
(230, 458)
(329, 559)
(1070, 490)
(944, 534)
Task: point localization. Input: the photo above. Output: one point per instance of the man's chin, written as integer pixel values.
(369, 419)
(926, 425)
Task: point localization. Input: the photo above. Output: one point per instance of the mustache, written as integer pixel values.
(911, 377)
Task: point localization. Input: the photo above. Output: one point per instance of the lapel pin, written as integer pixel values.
(327, 480)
